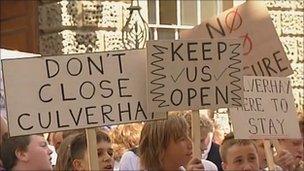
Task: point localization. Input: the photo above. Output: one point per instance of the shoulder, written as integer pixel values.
(129, 161)
(129, 155)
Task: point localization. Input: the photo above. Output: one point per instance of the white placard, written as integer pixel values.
(263, 52)
(194, 74)
(45, 94)
(269, 111)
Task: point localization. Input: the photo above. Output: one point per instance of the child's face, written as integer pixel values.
(241, 157)
(179, 152)
(105, 158)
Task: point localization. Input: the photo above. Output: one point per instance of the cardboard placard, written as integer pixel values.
(263, 52)
(8, 54)
(269, 111)
(45, 94)
(194, 74)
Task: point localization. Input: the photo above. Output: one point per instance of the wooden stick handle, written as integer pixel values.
(92, 149)
(276, 144)
(196, 135)
(268, 154)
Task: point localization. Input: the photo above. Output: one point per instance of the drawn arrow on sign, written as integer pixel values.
(175, 80)
(220, 75)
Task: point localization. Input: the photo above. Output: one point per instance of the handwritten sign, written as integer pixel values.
(75, 91)
(263, 52)
(268, 112)
(194, 74)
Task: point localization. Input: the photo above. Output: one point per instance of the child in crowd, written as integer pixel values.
(26, 153)
(166, 145)
(283, 158)
(239, 154)
(210, 151)
(295, 147)
(72, 153)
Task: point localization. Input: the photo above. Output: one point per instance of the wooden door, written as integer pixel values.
(19, 25)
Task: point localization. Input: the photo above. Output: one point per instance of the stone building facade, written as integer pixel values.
(288, 18)
(68, 27)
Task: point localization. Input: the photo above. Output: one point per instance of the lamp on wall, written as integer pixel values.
(135, 31)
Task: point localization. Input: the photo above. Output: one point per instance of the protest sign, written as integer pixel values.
(194, 74)
(8, 54)
(45, 94)
(263, 52)
(268, 111)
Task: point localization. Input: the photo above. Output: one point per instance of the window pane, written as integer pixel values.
(165, 34)
(188, 12)
(167, 11)
(151, 12)
(208, 9)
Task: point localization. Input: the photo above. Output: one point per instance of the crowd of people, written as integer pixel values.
(154, 145)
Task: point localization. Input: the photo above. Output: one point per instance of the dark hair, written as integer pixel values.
(74, 147)
(229, 141)
(9, 146)
(79, 144)
(71, 132)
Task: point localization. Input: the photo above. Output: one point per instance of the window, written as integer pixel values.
(168, 18)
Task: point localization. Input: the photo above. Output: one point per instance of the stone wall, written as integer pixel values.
(68, 27)
(288, 18)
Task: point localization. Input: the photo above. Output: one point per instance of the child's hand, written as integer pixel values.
(284, 159)
(195, 164)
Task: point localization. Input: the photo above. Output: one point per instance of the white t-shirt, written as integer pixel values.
(209, 165)
(129, 161)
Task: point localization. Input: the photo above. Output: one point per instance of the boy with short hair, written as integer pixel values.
(239, 154)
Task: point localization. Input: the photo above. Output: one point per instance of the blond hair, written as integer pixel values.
(206, 124)
(155, 138)
(125, 137)
(127, 134)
